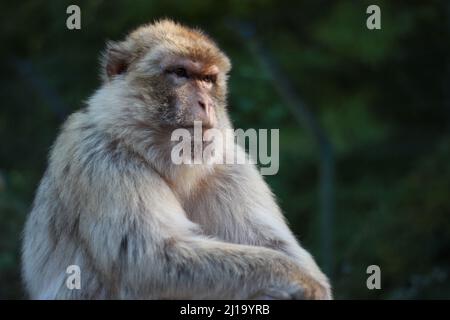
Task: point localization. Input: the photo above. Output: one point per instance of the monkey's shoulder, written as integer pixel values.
(82, 148)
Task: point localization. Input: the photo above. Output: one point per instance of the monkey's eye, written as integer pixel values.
(210, 78)
(180, 72)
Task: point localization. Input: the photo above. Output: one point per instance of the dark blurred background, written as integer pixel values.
(363, 115)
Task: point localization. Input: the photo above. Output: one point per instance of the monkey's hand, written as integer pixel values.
(303, 288)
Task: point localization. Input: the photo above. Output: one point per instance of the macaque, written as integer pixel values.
(140, 227)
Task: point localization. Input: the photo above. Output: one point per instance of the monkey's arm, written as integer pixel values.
(251, 216)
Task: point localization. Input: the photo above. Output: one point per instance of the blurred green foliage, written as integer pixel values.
(383, 97)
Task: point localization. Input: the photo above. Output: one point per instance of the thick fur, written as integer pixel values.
(140, 227)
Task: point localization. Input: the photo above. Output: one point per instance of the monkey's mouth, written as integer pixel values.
(203, 126)
(190, 126)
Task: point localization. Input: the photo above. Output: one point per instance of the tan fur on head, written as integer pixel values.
(173, 38)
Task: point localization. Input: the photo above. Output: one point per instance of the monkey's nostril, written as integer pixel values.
(202, 105)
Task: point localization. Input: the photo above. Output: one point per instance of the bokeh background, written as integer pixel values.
(363, 115)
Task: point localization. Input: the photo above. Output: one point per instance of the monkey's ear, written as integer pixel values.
(115, 60)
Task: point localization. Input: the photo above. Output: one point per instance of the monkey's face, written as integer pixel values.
(193, 92)
(178, 74)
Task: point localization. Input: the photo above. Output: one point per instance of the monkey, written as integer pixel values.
(137, 225)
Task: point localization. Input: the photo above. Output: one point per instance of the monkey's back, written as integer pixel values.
(51, 242)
